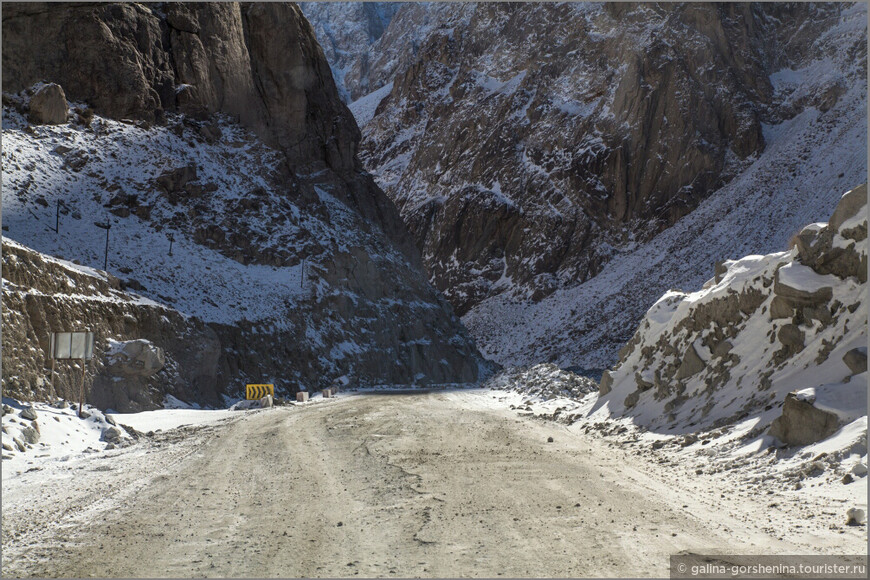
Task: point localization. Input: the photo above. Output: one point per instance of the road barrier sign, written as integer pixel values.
(259, 391)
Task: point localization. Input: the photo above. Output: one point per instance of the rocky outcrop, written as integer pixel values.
(538, 154)
(636, 114)
(228, 143)
(720, 355)
(346, 31)
(178, 354)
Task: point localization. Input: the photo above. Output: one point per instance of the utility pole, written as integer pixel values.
(106, 226)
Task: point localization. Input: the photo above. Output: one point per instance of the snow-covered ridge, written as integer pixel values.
(763, 327)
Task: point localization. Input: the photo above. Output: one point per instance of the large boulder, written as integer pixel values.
(605, 384)
(801, 423)
(48, 105)
(849, 206)
(692, 364)
(856, 360)
(135, 358)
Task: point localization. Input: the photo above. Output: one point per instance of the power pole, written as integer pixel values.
(106, 226)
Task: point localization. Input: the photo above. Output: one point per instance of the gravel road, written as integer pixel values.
(431, 484)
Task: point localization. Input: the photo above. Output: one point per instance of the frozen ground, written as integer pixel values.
(379, 485)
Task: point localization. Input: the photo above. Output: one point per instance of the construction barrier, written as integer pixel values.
(302, 396)
(259, 391)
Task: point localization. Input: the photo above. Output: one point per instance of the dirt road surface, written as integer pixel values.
(434, 484)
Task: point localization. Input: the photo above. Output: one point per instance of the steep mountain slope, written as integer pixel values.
(217, 128)
(762, 327)
(346, 31)
(533, 149)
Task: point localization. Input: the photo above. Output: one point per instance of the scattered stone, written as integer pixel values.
(855, 517)
(110, 446)
(28, 413)
(110, 420)
(860, 470)
(266, 401)
(549, 439)
(59, 404)
(48, 106)
(19, 444)
(856, 360)
(847, 479)
(111, 435)
(792, 336)
(7, 447)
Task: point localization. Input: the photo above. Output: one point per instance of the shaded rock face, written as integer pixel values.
(41, 296)
(801, 423)
(198, 88)
(346, 31)
(525, 143)
(258, 61)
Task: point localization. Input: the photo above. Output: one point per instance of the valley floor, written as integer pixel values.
(440, 483)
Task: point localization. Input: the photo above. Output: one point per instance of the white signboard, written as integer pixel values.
(66, 345)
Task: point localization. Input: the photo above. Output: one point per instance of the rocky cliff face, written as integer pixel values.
(346, 31)
(781, 338)
(217, 128)
(42, 294)
(532, 147)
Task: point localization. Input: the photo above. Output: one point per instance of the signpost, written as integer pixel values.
(71, 346)
(253, 391)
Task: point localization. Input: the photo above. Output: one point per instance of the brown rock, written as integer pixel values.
(801, 423)
(48, 106)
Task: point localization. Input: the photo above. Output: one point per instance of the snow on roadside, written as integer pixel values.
(57, 434)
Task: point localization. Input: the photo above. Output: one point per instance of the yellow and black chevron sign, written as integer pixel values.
(259, 391)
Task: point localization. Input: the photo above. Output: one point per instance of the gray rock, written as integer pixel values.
(266, 401)
(111, 435)
(48, 106)
(855, 517)
(7, 447)
(606, 383)
(28, 413)
(722, 349)
(847, 479)
(631, 400)
(856, 360)
(800, 297)
(136, 358)
(30, 435)
(860, 470)
(110, 420)
(801, 423)
(19, 444)
(792, 336)
(691, 365)
(849, 206)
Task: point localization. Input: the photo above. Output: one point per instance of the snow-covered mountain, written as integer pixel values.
(282, 247)
(346, 31)
(562, 165)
